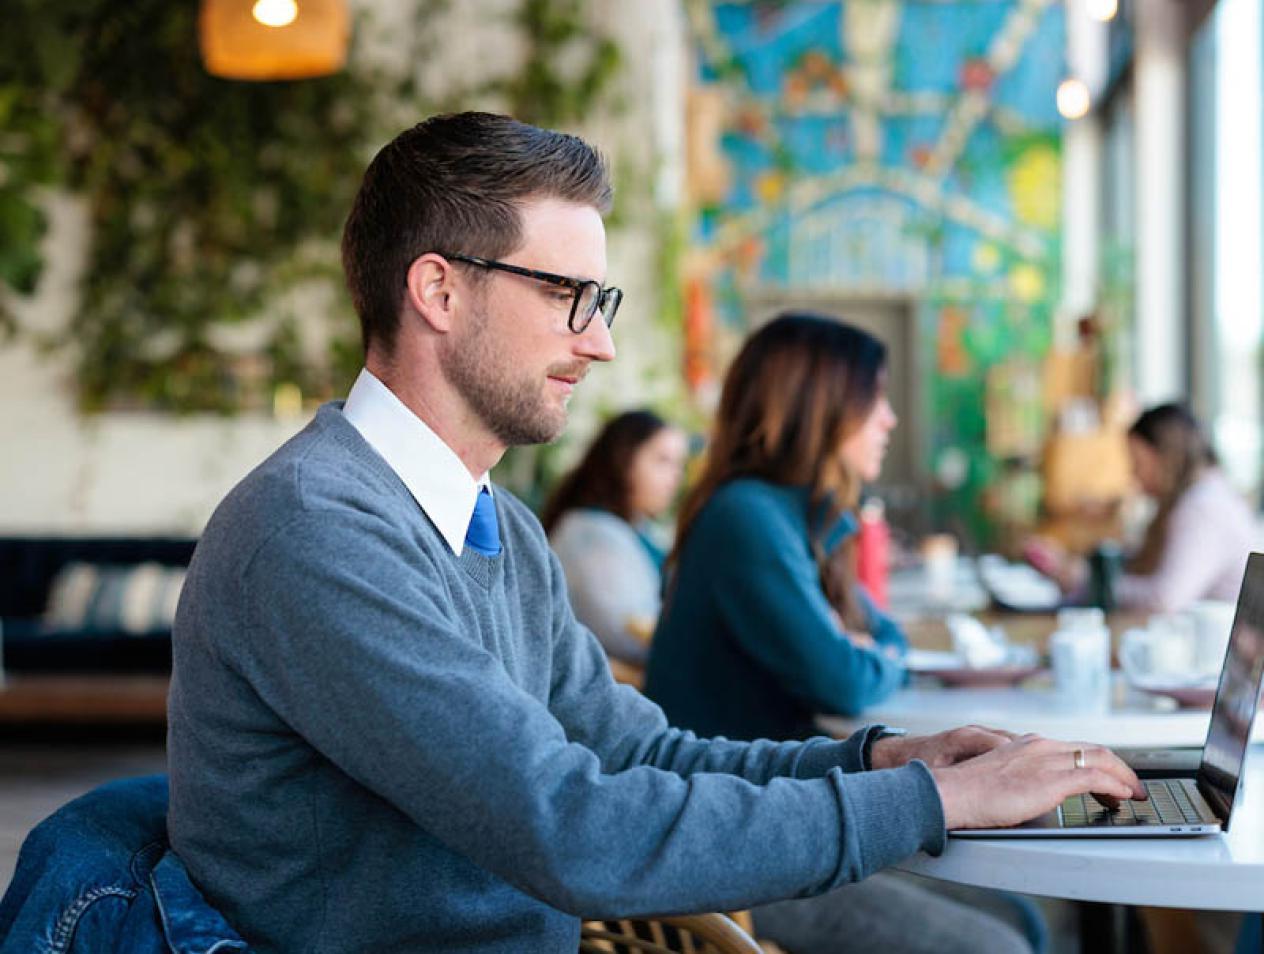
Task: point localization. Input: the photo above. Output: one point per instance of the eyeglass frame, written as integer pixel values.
(576, 285)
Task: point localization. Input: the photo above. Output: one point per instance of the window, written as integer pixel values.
(1227, 233)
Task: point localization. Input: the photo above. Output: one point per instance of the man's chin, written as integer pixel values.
(542, 431)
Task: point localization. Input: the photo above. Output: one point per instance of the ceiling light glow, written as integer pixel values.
(1073, 98)
(275, 13)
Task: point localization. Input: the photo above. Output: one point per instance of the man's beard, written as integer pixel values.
(510, 403)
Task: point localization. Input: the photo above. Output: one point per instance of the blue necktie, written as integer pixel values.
(484, 533)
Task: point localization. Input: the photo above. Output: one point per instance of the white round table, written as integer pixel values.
(1216, 872)
(1134, 720)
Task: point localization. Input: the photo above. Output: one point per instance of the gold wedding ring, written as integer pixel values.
(1079, 759)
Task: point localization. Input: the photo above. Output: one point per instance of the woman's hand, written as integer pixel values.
(862, 640)
(866, 640)
(1050, 558)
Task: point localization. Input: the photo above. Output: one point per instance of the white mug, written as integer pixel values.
(1080, 656)
(1167, 647)
(1213, 620)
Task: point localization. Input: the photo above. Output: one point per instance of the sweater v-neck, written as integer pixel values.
(486, 571)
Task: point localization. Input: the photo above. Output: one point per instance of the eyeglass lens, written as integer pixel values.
(592, 298)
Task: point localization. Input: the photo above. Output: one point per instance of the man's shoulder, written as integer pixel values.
(326, 467)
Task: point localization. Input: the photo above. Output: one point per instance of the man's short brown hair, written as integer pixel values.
(454, 183)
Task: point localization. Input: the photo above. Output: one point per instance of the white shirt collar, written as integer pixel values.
(429, 468)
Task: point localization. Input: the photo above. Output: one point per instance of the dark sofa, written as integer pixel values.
(28, 566)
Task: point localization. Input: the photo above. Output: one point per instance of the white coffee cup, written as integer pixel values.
(1213, 620)
(1166, 648)
(1080, 656)
(1081, 617)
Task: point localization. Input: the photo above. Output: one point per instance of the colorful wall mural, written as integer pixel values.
(898, 150)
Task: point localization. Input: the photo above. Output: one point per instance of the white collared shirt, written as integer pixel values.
(429, 468)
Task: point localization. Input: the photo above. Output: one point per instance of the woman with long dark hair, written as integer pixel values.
(597, 521)
(1196, 545)
(765, 624)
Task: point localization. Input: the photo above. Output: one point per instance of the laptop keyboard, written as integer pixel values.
(1171, 802)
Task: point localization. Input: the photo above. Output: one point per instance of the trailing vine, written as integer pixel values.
(209, 201)
(203, 195)
(544, 91)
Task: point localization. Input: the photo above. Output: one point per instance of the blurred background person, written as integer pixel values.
(764, 624)
(1196, 545)
(598, 519)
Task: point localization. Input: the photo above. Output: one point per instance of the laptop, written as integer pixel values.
(1201, 805)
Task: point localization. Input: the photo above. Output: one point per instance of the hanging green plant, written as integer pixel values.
(208, 200)
(203, 195)
(568, 67)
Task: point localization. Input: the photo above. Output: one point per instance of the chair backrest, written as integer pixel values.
(681, 934)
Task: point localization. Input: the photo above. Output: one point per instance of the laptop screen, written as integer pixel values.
(1236, 698)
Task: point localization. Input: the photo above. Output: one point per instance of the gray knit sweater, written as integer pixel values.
(376, 745)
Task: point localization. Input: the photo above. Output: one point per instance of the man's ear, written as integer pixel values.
(431, 290)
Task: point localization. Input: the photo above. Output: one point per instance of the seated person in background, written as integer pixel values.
(596, 521)
(1197, 544)
(388, 733)
(765, 625)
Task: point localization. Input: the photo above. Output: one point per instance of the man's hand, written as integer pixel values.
(937, 751)
(1027, 777)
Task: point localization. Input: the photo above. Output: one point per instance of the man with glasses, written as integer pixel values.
(387, 731)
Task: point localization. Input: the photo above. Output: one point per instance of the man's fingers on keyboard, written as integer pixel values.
(1108, 801)
(1102, 758)
(1104, 785)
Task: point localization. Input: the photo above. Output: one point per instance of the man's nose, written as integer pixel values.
(596, 343)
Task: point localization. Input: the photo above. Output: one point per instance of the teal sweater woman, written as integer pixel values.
(749, 646)
(764, 624)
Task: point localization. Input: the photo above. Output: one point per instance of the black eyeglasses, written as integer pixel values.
(588, 297)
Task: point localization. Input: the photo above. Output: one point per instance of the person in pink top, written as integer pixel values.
(1196, 545)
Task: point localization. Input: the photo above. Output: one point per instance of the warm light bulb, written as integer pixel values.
(1102, 9)
(1073, 98)
(275, 13)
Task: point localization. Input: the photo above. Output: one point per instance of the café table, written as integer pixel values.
(1223, 872)
(1128, 719)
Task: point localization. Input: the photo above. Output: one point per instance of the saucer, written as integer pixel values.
(983, 677)
(1189, 694)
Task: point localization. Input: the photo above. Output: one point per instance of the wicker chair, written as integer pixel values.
(685, 934)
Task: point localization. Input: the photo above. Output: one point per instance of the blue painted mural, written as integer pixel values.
(884, 148)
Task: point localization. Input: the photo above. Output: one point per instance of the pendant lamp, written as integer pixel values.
(273, 39)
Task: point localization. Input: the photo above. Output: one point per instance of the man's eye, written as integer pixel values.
(562, 295)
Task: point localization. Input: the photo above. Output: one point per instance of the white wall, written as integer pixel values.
(146, 473)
